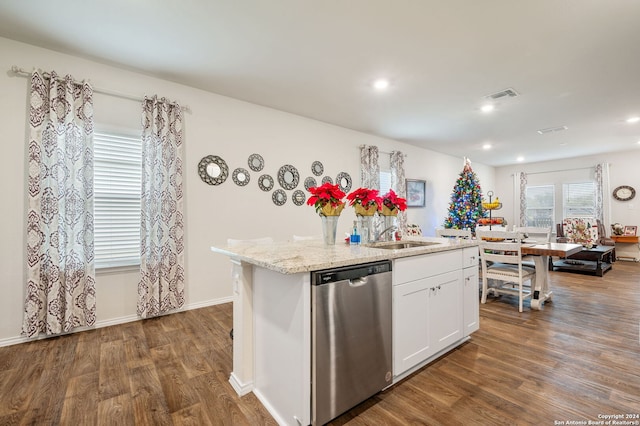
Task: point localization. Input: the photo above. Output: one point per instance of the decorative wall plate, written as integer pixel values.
(288, 176)
(327, 179)
(310, 182)
(240, 176)
(298, 197)
(343, 180)
(279, 197)
(317, 168)
(213, 170)
(265, 182)
(256, 162)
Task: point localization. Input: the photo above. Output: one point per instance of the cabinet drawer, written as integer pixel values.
(470, 256)
(406, 269)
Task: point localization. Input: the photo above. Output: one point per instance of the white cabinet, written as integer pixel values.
(471, 291)
(428, 305)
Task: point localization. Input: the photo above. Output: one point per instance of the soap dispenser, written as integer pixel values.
(355, 238)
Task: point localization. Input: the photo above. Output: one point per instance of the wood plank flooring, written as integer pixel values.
(576, 359)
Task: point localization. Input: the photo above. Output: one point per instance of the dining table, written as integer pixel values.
(540, 253)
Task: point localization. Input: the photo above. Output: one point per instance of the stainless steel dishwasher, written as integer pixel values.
(350, 337)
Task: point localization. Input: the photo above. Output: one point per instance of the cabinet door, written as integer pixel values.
(471, 311)
(427, 317)
(445, 310)
(411, 340)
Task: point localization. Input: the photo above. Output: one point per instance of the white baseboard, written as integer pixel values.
(8, 341)
(274, 413)
(240, 388)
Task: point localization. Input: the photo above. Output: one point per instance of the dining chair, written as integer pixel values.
(454, 233)
(534, 234)
(501, 262)
(537, 234)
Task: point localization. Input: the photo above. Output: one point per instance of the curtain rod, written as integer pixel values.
(385, 152)
(563, 170)
(22, 73)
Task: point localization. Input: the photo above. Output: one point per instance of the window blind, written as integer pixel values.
(540, 205)
(579, 199)
(117, 186)
(385, 182)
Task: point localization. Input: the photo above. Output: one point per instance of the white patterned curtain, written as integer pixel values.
(520, 196)
(161, 286)
(60, 293)
(603, 206)
(398, 184)
(369, 167)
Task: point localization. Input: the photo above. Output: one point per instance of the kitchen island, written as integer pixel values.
(435, 309)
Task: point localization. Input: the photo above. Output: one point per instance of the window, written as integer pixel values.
(540, 205)
(579, 199)
(385, 181)
(117, 183)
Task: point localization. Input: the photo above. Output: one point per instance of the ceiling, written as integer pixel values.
(573, 63)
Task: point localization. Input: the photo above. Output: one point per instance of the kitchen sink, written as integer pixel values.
(398, 245)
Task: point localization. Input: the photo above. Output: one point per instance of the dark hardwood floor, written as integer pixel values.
(576, 359)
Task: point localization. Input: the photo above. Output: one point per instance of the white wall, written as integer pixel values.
(621, 172)
(218, 125)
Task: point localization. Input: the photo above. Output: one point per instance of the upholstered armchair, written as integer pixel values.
(581, 230)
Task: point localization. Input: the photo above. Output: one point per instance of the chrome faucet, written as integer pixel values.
(391, 228)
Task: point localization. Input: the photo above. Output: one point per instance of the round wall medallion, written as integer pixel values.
(343, 180)
(279, 197)
(310, 182)
(265, 182)
(327, 179)
(298, 197)
(317, 168)
(256, 163)
(240, 176)
(213, 170)
(288, 176)
(624, 193)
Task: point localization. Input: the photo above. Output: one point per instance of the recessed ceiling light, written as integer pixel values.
(381, 84)
(633, 119)
(487, 108)
(486, 146)
(520, 159)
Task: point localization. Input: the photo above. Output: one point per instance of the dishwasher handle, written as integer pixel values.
(358, 282)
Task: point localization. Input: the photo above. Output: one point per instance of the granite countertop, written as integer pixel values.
(313, 255)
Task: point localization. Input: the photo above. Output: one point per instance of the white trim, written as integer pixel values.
(9, 341)
(240, 388)
(265, 402)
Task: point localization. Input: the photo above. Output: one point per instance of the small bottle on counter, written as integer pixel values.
(355, 237)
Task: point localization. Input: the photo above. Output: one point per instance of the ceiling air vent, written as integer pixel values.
(552, 130)
(506, 92)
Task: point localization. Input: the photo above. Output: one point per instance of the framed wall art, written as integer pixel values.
(416, 192)
(630, 231)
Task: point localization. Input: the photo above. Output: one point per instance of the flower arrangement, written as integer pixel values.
(327, 199)
(391, 204)
(365, 201)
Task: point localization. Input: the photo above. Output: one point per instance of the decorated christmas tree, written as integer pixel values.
(466, 201)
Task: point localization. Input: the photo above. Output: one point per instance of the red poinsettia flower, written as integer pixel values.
(325, 194)
(365, 197)
(392, 201)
